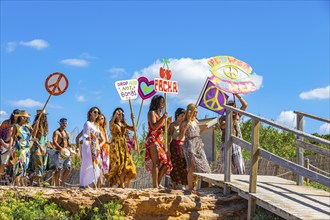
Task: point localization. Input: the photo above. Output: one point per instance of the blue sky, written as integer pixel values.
(95, 43)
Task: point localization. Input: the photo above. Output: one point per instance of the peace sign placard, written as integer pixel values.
(213, 98)
(56, 83)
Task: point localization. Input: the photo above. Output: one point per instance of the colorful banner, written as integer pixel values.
(127, 89)
(213, 98)
(231, 75)
(233, 87)
(166, 86)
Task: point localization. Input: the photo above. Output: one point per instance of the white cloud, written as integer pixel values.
(80, 98)
(116, 72)
(191, 75)
(75, 62)
(257, 80)
(87, 56)
(287, 118)
(37, 44)
(325, 128)
(11, 46)
(3, 116)
(319, 93)
(27, 103)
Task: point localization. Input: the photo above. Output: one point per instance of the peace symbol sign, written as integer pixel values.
(231, 72)
(56, 83)
(211, 98)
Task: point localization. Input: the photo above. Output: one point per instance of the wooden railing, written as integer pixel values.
(301, 145)
(256, 151)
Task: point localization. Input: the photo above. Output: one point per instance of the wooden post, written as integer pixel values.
(228, 150)
(300, 151)
(137, 123)
(253, 167)
(307, 167)
(165, 131)
(134, 128)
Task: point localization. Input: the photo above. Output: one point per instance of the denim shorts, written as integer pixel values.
(61, 163)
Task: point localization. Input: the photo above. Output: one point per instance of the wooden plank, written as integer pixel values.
(277, 125)
(240, 142)
(314, 176)
(280, 196)
(313, 147)
(312, 116)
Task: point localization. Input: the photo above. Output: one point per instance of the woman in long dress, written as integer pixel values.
(122, 168)
(193, 146)
(21, 148)
(237, 161)
(157, 160)
(179, 171)
(39, 148)
(90, 172)
(105, 148)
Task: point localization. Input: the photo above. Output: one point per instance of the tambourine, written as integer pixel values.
(65, 153)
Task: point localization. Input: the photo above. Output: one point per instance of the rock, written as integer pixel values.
(146, 204)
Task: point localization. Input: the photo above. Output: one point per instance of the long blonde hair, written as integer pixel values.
(190, 113)
(103, 126)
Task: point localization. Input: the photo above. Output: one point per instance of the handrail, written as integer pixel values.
(312, 116)
(256, 151)
(275, 124)
(313, 147)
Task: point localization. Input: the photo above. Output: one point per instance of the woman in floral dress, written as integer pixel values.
(157, 160)
(39, 148)
(21, 148)
(193, 146)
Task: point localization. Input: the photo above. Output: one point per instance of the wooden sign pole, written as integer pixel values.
(134, 128)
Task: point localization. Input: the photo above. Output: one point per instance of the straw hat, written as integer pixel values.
(39, 111)
(23, 113)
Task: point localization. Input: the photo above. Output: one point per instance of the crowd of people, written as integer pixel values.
(107, 161)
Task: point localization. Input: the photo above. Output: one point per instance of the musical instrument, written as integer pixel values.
(65, 153)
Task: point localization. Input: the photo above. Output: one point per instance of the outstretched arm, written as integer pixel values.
(242, 101)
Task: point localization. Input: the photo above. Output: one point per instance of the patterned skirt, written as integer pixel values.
(105, 156)
(121, 162)
(156, 138)
(20, 160)
(179, 172)
(237, 162)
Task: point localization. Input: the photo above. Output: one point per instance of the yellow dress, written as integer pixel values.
(121, 161)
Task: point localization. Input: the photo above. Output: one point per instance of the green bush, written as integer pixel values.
(18, 206)
(14, 206)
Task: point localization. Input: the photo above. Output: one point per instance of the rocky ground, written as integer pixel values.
(146, 204)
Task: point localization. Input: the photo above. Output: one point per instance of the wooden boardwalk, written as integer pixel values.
(280, 196)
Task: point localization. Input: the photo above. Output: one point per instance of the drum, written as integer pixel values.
(64, 153)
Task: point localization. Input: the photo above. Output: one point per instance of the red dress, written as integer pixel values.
(156, 137)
